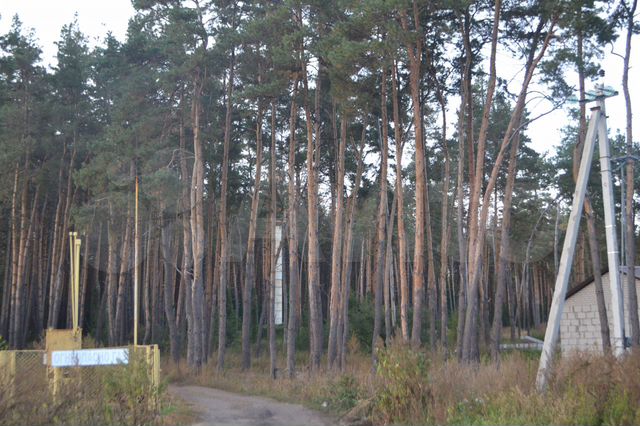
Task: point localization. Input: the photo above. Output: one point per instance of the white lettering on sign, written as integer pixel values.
(90, 357)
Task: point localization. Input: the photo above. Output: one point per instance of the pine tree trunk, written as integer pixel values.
(183, 310)
(415, 58)
(336, 250)
(168, 248)
(197, 229)
(465, 137)
(148, 293)
(445, 230)
(57, 272)
(379, 270)
(388, 271)
(469, 350)
(504, 250)
(84, 280)
(292, 239)
(313, 268)
(123, 273)
(224, 239)
(343, 326)
(14, 259)
(479, 221)
(630, 236)
(112, 282)
(250, 274)
(402, 239)
(432, 292)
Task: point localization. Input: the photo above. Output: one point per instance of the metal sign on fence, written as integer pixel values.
(90, 357)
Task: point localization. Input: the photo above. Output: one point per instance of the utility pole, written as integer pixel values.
(597, 129)
(621, 164)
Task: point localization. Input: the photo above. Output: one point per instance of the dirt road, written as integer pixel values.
(220, 408)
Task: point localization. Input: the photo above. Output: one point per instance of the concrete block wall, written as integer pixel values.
(580, 323)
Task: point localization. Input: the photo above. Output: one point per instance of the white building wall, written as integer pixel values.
(580, 323)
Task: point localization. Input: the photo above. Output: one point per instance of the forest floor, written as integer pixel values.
(221, 408)
(408, 387)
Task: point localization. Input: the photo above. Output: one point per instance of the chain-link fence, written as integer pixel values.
(23, 380)
(34, 391)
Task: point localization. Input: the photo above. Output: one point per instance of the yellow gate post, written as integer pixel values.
(8, 373)
(60, 340)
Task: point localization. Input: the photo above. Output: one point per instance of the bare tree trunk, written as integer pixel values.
(43, 256)
(432, 292)
(313, 273)
(273, 251)
(112, 282)
(26, 237)
(505, 251)
(379, 270)
(168, 248)
(14, 258)
(224, 239)
(402, 239)
(336, 250)
(292, 229)
(184, 307)
(250, 281)
(147, 293)
(478, 224)
(210, 264)
(630, 221)
(343, 326)
(6, 287)
(445, 230)
(388, 270)
(84, 280)
(414, 51)
(123, 272)
(469, 350)
(64, 206)
(465, 137)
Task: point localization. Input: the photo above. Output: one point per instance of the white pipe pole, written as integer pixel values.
(610, 231)
(568, 250)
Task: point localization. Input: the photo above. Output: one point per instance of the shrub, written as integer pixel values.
(402, 388)
(361, 321)
(343, 394)
(129, 394)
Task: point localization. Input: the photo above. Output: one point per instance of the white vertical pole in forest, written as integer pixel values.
(277, 302)
(596, 123)
(610, 231)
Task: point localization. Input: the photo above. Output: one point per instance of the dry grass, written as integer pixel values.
(316, 390)
(427, 388)
(109, 395)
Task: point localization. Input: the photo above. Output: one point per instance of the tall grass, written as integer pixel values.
(419, 387)
(118, 395)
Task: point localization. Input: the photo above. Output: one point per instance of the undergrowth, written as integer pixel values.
(420, 387)
(116, 395)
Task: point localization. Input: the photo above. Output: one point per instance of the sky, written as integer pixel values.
(97, 17)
